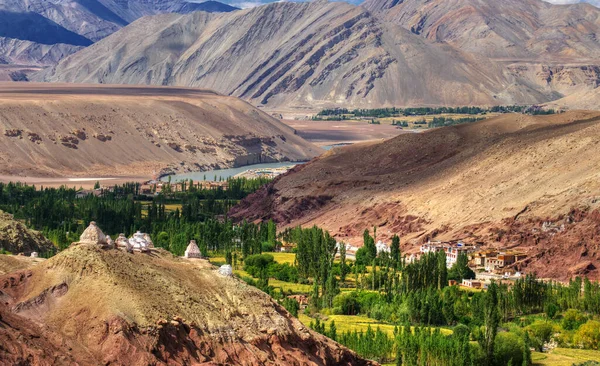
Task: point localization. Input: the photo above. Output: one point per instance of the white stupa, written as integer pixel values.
(109, 242)
(34, 254)
(226, 270)
(139, 243)
(93, 235)
(123, 243)
(192, 250)
(148, 240)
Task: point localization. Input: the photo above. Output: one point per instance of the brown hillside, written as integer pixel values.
(494, 182)
(117, 308)
(309, 55)
(71, 130)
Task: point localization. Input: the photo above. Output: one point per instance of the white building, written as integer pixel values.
(382, 247)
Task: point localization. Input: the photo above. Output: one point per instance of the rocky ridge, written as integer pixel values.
(135, 131)
(16, 238)
(515, 181)
(319, 54)
(150, 309)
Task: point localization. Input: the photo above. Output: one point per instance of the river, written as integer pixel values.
(223, 174)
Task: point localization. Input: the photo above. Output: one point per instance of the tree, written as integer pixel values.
(526, 350)
(491, 319)
(369, 245)
(343, 266)
(573, 319)
(508, 347)
(291, 305)
(551, 310)
(442, 270)
(541, 333)
(332, 330)
(395, 252)
(97, 185)
(461, 270)
(588, 335)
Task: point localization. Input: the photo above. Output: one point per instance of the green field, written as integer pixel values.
(565, 357)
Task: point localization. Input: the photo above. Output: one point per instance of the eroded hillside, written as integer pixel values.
(66, 130)
(495, 182)
(113, 307)
(297, 54)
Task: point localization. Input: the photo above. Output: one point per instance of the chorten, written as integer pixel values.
(139, 243)
(192, 250)
(148, 240)
(123, 243)
(93, 235)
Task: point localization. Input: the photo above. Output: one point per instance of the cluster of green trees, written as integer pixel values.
(339, 113)
(316, 250)
(425, 111)
(200, 214)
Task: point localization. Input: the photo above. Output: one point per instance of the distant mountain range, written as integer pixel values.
(41, 32)
(388, 52)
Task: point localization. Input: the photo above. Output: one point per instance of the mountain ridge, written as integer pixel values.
(315, 55)
(492, 183)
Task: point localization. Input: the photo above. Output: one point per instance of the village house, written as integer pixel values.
(476, 284)
(286, 248)
(452, 250)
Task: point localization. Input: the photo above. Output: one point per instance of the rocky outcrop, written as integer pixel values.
(268, 55)
(511, 182)
(17, 238)
(192, 315)
(179, 130)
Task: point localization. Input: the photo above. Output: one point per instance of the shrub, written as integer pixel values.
(588, 335)
(347, 303)
(573, 319)
(291, 305)
(541, 332)
(508, 347)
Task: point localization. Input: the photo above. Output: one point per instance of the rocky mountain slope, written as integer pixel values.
(322, 54)
(299, 54)
(98, 306)
(17, 238)
(552, 46)
(31, 30)
(510, 29)
(70, 130)
(514, 181)
(584, 100)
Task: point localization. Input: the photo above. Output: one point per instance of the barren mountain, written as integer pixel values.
(584, 100)
(300, 54)
(552, 46)
(41, 32)
(96, 19)
(97, 306)
(496, 182)
(68, 130)
(509, 29)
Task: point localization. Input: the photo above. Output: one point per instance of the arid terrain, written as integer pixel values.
(97, 306)
(111, 131)
(494, 182)
(327, 133)
(312, 55)
(297, 54)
